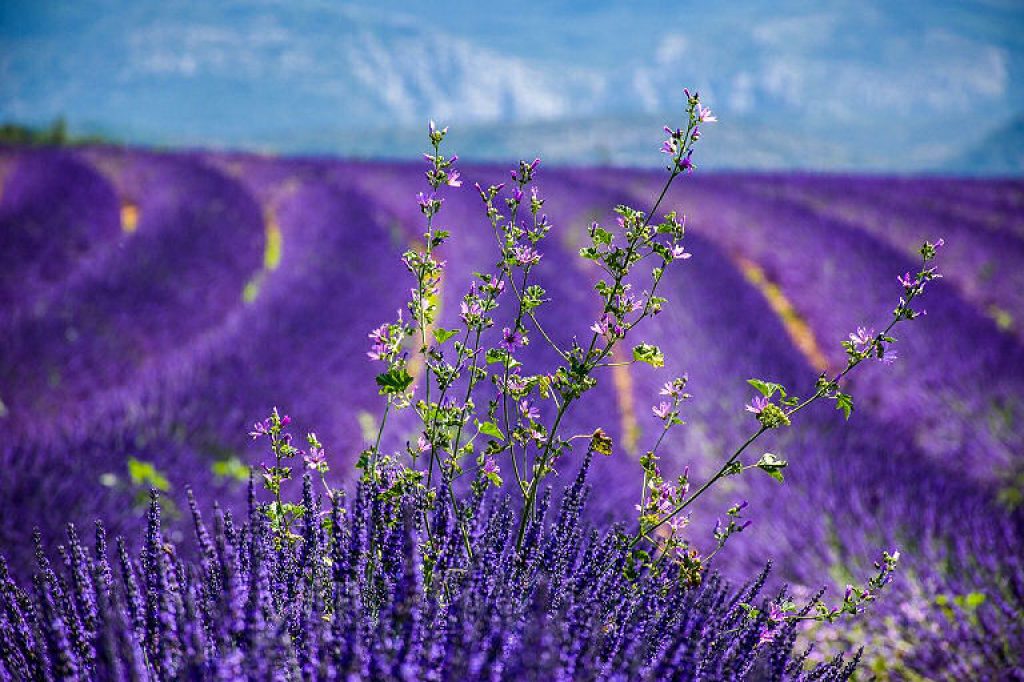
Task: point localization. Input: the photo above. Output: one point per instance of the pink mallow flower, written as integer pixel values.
(704, 114)
(863, 338)
(607, 326)
(511, 339)
(528, 410)
(758, 404)
(526, 255)
(379, 349)
(907, 281)
(679, 253)
(260, 429)
(316, 458)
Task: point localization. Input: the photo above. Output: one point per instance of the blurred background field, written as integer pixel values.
(217, 221)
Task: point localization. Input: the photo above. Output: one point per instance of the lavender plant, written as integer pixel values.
(429, 572)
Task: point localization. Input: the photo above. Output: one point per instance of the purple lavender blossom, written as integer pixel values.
(251, 607)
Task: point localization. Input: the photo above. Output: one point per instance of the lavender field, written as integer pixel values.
(154, 304)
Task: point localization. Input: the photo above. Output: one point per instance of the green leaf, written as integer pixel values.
(602, 236)
(601, 443)
(767, 388)
(490, 429)
(441, 334)
(394, 381)
(496, 355)
(772, 465)
(652, 355)
(844, 402)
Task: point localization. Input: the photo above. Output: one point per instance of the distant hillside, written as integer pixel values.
(54, 134)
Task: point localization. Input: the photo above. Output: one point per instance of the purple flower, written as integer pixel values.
(316, 458)
(511, 339)
(863, 338)
(498, 285)
(675, 387)
(425, 201)
(607, 327)
(379, 349)
(517, 195)
(767, 635)
(758, 404)
(470, 311)
(628, 303)
(260, 429)
(525, 255)
(679, 253)
(433, 131)
(704, 115)
(491, 467)
(515, 384)
(686, 163)
(528, 410)
(662, 411)
(907, 281)
(453, 179)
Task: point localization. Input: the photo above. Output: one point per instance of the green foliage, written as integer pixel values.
(772, 465)
(490, 429)
(441, 334)
(649, 354)
(394, 381)
(767, 388)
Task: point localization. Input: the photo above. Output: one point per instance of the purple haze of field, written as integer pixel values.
(331, 214)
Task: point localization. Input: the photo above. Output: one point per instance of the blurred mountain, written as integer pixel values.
(867, 85)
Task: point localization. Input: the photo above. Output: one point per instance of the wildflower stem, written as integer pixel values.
(700, 491)
(822, 390)
(374, 454)
(539, 466)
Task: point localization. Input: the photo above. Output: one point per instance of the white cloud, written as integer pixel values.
(671, 48)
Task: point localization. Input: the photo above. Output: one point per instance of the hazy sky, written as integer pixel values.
(866, 84)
